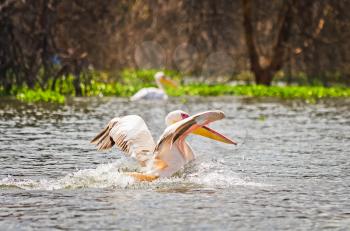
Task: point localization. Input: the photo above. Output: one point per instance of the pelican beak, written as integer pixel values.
(210, 133)
(168, 82)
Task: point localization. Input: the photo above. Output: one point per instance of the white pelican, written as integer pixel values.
(162, 159)
(153, 93)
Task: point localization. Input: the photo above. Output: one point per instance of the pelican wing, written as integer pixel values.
(186, 126)
(130, 134)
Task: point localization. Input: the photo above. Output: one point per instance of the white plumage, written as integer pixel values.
(132, 136)
(150, 93)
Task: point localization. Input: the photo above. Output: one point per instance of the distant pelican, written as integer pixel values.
(162, 159)
(153, 93)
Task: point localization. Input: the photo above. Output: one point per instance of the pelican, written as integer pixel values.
(153, 93)
(131, 135)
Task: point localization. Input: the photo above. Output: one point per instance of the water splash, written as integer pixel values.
(105, 175)
(197, 174)
(216, 174)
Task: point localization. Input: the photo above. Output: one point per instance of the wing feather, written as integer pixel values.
(130, 134)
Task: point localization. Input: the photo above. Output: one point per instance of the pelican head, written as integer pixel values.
(175, 116)
(178, 115)
(162, 79)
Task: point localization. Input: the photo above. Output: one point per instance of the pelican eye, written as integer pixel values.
(184, 116)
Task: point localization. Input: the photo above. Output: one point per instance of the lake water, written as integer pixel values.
(290, 171)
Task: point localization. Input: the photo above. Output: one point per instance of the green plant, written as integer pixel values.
(286, 92)
(129, 81)
(40, 95)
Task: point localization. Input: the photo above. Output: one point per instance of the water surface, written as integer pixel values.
(291, 169)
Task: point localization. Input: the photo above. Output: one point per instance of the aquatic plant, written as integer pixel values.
(309, 93)
(285, 92)
(39, 95)
(129, 81)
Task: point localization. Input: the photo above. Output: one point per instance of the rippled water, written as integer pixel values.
(291, 169)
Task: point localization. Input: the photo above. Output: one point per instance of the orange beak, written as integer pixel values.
(214, 135)
(210, 133)
(168, 82)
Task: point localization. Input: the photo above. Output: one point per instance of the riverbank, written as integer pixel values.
(308, 93)
(128, 82)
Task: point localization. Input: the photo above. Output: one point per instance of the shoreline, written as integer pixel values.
(306, 93)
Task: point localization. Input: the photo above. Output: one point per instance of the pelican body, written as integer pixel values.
(171, 153)
(153, 93)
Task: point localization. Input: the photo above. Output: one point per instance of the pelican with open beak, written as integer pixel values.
(152, 93)
(131, 135)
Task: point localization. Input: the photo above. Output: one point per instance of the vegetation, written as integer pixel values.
(40, 96)
(130, 81)
(286, 92)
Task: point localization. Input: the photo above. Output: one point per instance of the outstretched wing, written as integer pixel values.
(130, 134)
(181, 129)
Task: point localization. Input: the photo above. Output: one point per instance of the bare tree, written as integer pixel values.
(265, 69)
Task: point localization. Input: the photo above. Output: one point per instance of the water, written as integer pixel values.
(290, 171)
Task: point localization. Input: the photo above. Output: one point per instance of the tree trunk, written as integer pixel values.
(264, 75)
(76, 83)
(249, 37)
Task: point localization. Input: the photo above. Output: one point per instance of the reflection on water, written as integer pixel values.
(289, 171)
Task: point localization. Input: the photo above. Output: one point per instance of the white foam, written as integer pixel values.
(205, 174)
(214, 174)
(105, 175)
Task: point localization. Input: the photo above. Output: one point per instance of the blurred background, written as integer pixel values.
(249, 41)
